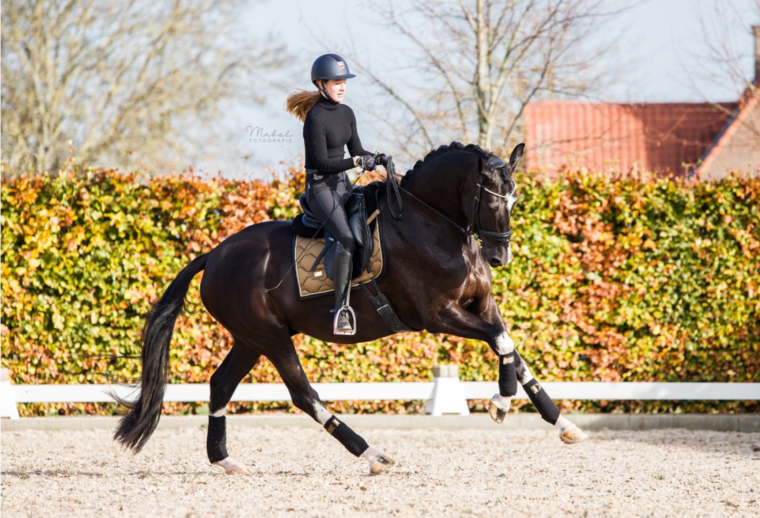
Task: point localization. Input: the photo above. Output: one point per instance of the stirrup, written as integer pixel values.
(352, 315)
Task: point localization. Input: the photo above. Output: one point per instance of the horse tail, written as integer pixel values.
(136, 427)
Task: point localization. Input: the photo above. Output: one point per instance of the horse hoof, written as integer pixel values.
(496, 408)
(496, 413)
(381, 464)
(573, 435)
(232, 467)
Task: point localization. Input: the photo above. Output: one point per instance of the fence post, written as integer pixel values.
(448, 393)
(7, 399)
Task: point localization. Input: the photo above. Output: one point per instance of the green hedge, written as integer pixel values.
(636, 280)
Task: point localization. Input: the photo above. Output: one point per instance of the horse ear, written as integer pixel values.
(483, 168)
(517, 154)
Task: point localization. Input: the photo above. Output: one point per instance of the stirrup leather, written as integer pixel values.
(352, 318)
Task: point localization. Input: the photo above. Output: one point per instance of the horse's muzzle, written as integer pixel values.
(498, 255)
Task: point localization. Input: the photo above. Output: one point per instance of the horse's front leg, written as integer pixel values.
(453, 319)
(568, 432)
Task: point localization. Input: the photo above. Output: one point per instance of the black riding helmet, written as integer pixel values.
(329, 66)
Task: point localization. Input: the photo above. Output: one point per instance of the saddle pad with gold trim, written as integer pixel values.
(315, 283)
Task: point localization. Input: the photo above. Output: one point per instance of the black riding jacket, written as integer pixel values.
(328, 127)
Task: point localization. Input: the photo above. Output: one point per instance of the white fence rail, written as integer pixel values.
(397, 391)
(445, 394)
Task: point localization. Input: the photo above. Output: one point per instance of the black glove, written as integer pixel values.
(366, 162)
(381, 159)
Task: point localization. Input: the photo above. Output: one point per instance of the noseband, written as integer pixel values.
(496, 238)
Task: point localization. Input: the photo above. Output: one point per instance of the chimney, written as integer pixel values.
(756, 30)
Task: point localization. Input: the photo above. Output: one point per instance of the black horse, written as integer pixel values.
(437, 278)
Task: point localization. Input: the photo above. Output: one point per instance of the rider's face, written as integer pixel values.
(336, 88)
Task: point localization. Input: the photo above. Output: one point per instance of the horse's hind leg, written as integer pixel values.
(238, 362)
(568, 432)
(306, 398)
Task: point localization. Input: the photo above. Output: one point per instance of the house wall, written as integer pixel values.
(738, 149)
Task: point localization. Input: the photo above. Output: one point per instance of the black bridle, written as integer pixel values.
(496, 238)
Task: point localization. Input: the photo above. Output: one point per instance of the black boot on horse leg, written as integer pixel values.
(344, 322)
(306, 398)
(236, 365)
(485, 325)
(568, 432)
(501, 402)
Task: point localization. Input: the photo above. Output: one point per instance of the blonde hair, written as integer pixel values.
(299, 103)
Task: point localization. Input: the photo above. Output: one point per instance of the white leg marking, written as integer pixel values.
(502, 402)
(370, 454)
(323, 415)
(563, 423)
(504, 344)
(523, 373)
(568, 432)
(220, 412)
(232, 467)
(499, 407)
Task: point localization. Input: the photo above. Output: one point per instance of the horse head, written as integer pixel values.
(496, 196)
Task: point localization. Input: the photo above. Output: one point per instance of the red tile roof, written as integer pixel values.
(658, 137)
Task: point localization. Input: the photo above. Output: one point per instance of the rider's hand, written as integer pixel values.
(366, 162)
(381, 159)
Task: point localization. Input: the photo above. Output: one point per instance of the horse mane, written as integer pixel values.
(412, 173)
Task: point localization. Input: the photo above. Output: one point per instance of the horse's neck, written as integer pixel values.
(442, 193)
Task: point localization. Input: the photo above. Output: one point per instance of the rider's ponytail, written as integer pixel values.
(299, 103)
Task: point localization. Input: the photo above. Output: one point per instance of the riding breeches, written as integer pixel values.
(326, 195)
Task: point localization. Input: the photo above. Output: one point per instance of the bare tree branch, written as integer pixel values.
(125, 81)
(473, 52)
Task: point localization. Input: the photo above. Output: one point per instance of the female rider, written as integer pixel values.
(328, 127)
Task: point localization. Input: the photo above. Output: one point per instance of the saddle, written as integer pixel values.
(314, 270)
(307, 225)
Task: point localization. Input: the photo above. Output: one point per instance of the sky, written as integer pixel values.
(658, 56)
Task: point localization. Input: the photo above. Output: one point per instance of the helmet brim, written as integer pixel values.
(342, 76)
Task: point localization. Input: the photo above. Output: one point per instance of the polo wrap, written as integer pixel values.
(216, 440)
(507, 375)
(346, 436)
(541, 400)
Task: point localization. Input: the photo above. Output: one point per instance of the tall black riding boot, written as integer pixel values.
(345, 320)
